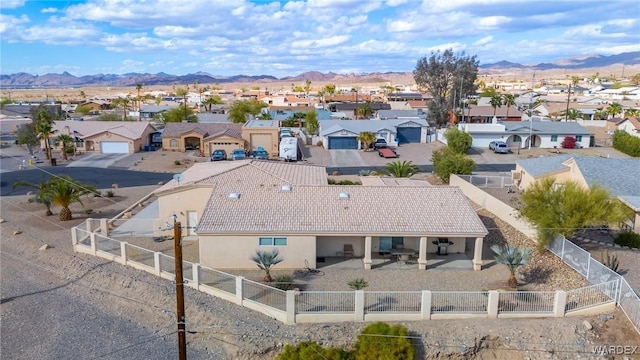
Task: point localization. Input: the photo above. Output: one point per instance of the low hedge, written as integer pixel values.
(629, 239)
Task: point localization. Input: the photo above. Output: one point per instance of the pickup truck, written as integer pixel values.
(387, 153)
(379, 143)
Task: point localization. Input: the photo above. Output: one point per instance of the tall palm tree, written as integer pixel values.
(44, 129)
(513, 258)
(265, 260)
(43, 195)
(495, 102)
(508, 100)
(66, 141)
(64, 191)
(366, 137)
(600, 114)
(364, 111)
(401, 169)
(210, 101)
(139, 87)
(614, 109)
(183, 93)
(574, 114)
(632, 112)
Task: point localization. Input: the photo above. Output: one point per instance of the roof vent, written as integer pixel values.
(234, 195)
(286, 188)
(344, 195)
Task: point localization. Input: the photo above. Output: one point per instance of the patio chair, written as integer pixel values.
(347, 250)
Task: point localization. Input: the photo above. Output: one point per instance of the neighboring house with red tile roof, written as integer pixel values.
(206, 137)
(237, 208)
(105, 137)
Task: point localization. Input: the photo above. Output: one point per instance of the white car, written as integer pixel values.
(499, 147)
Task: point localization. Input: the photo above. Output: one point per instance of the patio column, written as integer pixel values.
(422, 253)
(367, 252)
(477, 254)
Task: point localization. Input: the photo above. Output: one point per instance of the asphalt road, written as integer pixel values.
(100, 178)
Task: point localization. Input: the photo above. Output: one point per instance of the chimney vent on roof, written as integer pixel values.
(286, 188)
(234, 195)
(344, 195)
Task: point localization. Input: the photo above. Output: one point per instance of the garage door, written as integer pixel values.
(114, 147)
(263, 140)
(408, 135)
(343, 142)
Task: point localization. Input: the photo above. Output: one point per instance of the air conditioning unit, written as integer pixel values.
(516, 175)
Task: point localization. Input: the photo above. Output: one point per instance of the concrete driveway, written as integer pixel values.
(346, 158)
(96, 160)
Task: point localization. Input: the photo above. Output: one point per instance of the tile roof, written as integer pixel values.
(268, 209)
(82, 129)
(391, 181)
(172, 130)
(546, 127)
(358, 126)
(396, 114)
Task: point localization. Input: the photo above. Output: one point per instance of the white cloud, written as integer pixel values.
(484, 41)
(492, 22)
(12, 4)
(49, 10)
(11, 23)
(129, 65)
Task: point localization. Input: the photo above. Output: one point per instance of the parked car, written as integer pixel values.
(219, 155)
(379, 143)
(499, 147)
(238, 154)
(260, 154)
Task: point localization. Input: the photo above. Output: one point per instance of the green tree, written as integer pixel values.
(264, 116)
(266, 260)
(489, 92)
(614, 109)
(310, 350)
(65, 191)
(626, 143)
(367, 138)
(138, 88)
(382, 341)
(458, 141)
(26, 135)
(574, 114)
(400, 169)
(443, 73)
(495, 102)
(632, 112)
(239, 111)
(183, 92)
(43, 194)
(83, 109)
(508, 100)
(307, 87)
(121, 102)
(180, 114)
(3, 102)
(311, 123)
(109, 117)
(512, 258)
(67, 143)
(446, 162)
(210, 101)
(600, 114)
(43, 125)
(567, 208)
(364, 111)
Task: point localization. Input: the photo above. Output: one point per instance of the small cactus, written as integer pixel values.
(610, 261)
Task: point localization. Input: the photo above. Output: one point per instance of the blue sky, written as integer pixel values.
(282, 38)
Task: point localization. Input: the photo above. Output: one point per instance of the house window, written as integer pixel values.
(173, 143)
(272, 241)
(517, 138)
(578, 138)
(554, 138)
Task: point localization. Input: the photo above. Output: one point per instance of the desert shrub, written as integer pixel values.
(458, 141)
(382, 341)
(310, 350)
(628, 238)
(177, 162)
(447, 162)
(358, 284)
(283, 282)
(343, 182)
(569, 142)
(109, 193)
(626, 143)
(610, 261)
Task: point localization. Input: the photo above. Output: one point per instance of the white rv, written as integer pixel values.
(289, 149)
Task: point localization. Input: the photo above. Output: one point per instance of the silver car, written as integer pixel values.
(499, 147)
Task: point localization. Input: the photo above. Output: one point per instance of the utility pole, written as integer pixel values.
(566, 113)
(533, 84)
(177, 244)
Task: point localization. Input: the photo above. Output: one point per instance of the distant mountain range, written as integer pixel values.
(26, 80)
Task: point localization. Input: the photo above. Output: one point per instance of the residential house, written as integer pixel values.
(351, 108)
(619, 176)
(262, 133)
(343, 134)
(151, 111)
(630, 125)
(10, 124)
(206, 137)
(479, 114)
(543, 134)
(237, 208)
(105, 137)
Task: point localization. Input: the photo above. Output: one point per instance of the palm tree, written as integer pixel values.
(495, 102)
(400, 169)
(508, 100)
(600, 114)
(66, 141)
(43, 196)
(364, 111)
(366, 137)
(44, 129)
(210, 101)
(183, 93)
(574, 114)
(513, 258)
(265, 260)
(632, 112)
(614, 109)
(139, 87)
(65, 191)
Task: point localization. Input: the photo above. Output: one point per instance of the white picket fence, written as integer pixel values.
(329, 306)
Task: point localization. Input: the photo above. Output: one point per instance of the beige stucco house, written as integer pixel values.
(105, 137)
(205, 136)
(264, 133)
(236, 208)
(619, 176)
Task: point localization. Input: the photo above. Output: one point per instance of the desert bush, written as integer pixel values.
(177, 162)
(610, 261)
(382, 341)
(110, 193)
(310, 350)
(283, 282)
(626, 143)
(628, 238)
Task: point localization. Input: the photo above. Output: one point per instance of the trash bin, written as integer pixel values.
(152, 147)
(146, 148)
(53, 162)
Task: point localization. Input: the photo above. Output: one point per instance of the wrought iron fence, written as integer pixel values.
(526, 301)
(218, 280)
(459, 301)
(483, 181)
(392, 301)
(264, 294)
(326, 301)
(591, 295)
